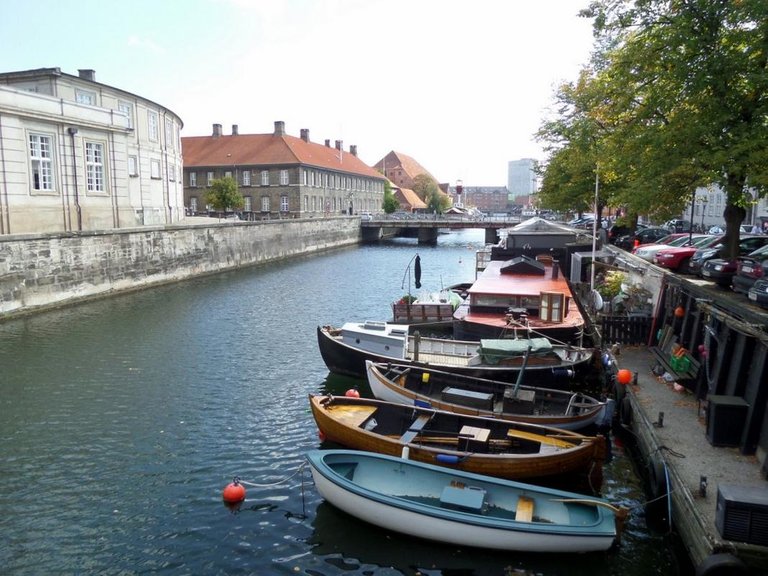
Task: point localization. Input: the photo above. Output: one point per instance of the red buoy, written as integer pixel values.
(624, 376)
(679, 312)
(234, 492)
(352, 393)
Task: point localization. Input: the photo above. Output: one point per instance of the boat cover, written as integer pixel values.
(493, 351)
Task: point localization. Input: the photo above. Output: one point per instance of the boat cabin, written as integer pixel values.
(377, 337)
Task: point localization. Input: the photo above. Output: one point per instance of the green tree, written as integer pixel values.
(390, 203)
(688, 91)
(224, 195)
(425, 186)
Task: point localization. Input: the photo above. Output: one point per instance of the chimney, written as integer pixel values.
(216, 130)
(338, 144)
(235, 131)
(305, 134)
(87, 74)
(327, 143)
(353, 150)
(555, 269)
(279, 128)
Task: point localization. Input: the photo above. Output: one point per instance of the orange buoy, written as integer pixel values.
(679, 312)
(234, 492)
(624, 376)
(352, 393)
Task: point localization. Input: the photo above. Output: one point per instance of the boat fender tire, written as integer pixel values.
(625, 411)
(722, 564)
(657, 478)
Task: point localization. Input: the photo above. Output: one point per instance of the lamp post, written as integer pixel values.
(704, 201)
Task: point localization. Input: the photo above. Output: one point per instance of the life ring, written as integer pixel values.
(721, 564)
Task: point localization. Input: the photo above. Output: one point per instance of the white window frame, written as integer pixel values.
(172, 172)
(153, 126)
(41, 162)
(154, 169)
(209, 179)
(193, 179)
(284, 203)
(87, 97)
(169, 141)
(228, 174)
(127, 109)
(95, 179)
(246, 177)
(247, 203)
(284, 179)
(265, 177)
(265, 203)
(193, 205)
(133, 166)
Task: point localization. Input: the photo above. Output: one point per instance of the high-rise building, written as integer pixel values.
(521, 178)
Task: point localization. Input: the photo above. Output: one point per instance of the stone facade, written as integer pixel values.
(78, 155)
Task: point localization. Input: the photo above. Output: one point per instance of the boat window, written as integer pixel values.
(552, 306)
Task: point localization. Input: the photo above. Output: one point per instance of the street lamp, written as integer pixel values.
(704, 201)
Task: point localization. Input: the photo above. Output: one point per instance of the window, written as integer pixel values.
(94, 167)
(169, 141)
(228, 174)
(552, 306)
(265, 177)
(154, 169)
(303, 177)
(127, 109)
(133, 166)
(193, 205)
(172, 172)
(283, 177)
(42, 161)
(152, 124)
(193, 179)
(247, 203)
(246, 177)
(85, 97)
(265, 203)
(284, 203)
(209, 179)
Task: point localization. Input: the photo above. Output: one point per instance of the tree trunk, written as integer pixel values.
(734, 215)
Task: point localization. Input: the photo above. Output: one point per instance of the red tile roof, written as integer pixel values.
(403, 161)
(269, 150)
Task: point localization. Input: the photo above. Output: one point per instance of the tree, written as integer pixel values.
(424, 186)
(223, 195)
(390, 203)
(692, 81)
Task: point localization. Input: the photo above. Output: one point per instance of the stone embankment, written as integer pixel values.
(48, 270)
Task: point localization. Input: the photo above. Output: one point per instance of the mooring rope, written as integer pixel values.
(298, 471)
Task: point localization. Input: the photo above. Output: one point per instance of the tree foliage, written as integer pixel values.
(223, 195)
(390, 203)
(676, 98)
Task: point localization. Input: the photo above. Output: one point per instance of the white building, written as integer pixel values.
(521, 178)
(79, 155)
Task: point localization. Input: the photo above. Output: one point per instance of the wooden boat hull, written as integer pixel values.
(459, 508)
(499, 448)
(416, 385)
(349, 360)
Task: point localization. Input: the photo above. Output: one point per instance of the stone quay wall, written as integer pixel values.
(49, 270)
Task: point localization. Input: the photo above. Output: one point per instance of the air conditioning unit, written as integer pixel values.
(742, 513)
(726, 416)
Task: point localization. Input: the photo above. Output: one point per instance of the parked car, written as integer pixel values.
(644, 236)
(758, 293)
(648, 251)
(750, 269)
(705, 261)
(677, 225)
(678, 258)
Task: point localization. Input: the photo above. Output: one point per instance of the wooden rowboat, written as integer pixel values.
(442, 390)
(494, 447)
(460, 508)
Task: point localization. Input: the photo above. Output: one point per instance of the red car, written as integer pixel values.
(678, 258)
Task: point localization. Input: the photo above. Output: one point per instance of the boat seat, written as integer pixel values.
(464, 498)
(415, 428)
(524, 511)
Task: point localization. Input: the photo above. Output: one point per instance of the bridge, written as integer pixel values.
(425, 227)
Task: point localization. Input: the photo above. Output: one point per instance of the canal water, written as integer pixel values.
(123, 419)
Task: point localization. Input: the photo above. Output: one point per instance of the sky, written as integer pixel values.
(461, 86)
